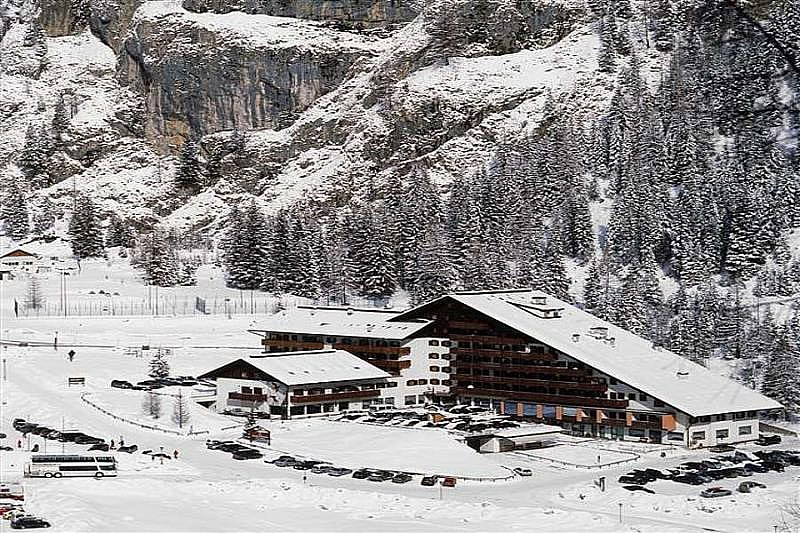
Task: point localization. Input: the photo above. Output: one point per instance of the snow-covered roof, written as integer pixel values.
(629, 358)
(318, 366)
(342, 322)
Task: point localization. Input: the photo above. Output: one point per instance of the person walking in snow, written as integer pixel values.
(71, 355)
(175, 454)
(112, 444)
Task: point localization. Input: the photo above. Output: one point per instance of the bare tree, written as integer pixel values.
(34, 299)
(151, 405)
(180, 411)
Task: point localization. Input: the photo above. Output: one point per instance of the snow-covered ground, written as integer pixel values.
(208, 491)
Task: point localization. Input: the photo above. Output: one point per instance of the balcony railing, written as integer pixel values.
(288, 345)
(362, 348)
(337, 396)
(247, 397)
(489, 339)
(390, 364)
(482, 352)
(594, 387)
(540, 369)
(554, 399)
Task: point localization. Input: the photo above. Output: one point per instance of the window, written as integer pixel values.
(392, 384)
(447, 356)
(739, 416)
(510, 408)
(258, 390)
(658, 403)
(389, 401)
(720, 418)
(434, 368)
(297, 410)
(446, 382)
(722, 434)
(411, 382)
(570, 411)
(433, 343)
(446, 343)
(422, 382)
(549, 411)
(328, 407)
(313, 409)
(613, 381)
(745, 430)
(435, 381)
(698, 435)
(447, 369)
(642, 397)
(675, 435)
(631, 395)
(410, 400)
(247, 390)
(637, 433)
(529, 409)
(433, 356)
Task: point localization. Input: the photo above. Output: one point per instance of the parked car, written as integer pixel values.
(361, 473)
(774, 465)
(634, 479)
(121, 384)
(3, 435)
(249, 453)
(377, 477)
(151, 383)
(305, 465)
(161, 455)
(231, 447)
(6, 448)
(87, 439)
(28, 522)
(721, 448)
(41, 430)
(768, 440)
(524, 472)
(449, 482)
(756, 467)
(339, 472)
(747, 486)
(98, 447)
(285, 463)
(715, 492)
(690, 479)
(128, 449)
(638, 488)
(401, 478)
(321, 469)
(428, 481)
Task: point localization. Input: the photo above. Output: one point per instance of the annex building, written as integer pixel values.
(532, 356)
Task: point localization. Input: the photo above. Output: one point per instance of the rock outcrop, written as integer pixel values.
(349, 13)
(200, 74)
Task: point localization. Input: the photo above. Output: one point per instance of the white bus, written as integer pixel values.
(71, 466)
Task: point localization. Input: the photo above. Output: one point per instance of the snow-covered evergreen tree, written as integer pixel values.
(159, 366)
(189, 175)
(14, 210)
(85, 232)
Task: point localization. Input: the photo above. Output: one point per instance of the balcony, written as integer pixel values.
(337, 396)
(555, 399)
(364, 348)
(390, 364)
(292, 345)
(593, 387)
(540, 369)
(488, 339)
(482, 352)
(257, 398)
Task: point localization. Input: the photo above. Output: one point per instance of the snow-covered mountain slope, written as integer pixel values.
(325, 104)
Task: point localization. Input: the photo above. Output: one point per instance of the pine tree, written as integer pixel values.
(159, 367)
(436, 276)
(61, 120)
(189, 176)
(180, 410)
(14, 211)
(245, 247)
(781, 380)
(119, 233)
(34, 297)
(35, 155)
(151, 405)
(85, 233)
(607, 57)
(158, 260)
(44, 216)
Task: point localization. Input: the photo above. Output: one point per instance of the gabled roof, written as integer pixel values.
(629, 358)
(341, 321)
(19, 252)
(307, 368)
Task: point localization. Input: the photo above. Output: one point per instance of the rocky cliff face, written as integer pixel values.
(200, 74)
(348, 13)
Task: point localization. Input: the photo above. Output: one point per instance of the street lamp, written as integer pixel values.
(620, 512)
(470, 388)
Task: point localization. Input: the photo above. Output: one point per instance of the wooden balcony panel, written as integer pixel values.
(482, 352)
(552, 370)
(489, 339)
(466, 324)
(554, 399)
(247, 397)
(362, 348)
(336, 396)
(389, 364)
(288, 345)
(593, 387)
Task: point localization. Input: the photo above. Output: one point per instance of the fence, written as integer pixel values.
(599, 466)
(145, 426)
(243, 303)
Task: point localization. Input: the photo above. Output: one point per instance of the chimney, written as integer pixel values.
(576, 337)
(349, 310)
(539, 300)
(599, 332)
